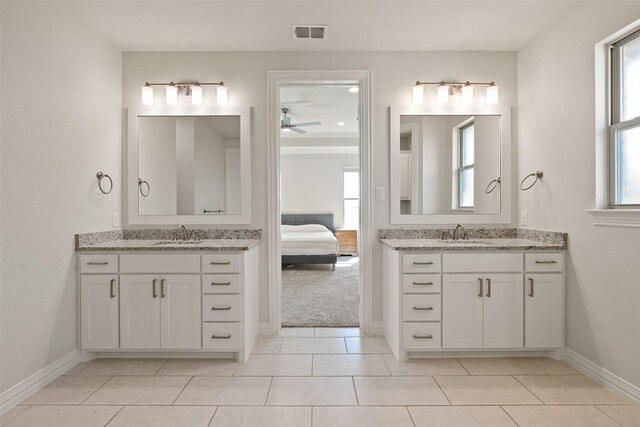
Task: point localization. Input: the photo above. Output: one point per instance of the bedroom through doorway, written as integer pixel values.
(320, 205)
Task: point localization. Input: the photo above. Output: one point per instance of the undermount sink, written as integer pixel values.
(178, 242)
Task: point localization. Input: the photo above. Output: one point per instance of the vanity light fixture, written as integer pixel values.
(445, 89)
(443, 93)
(492, 94)
(467, 94)
(340, 123)
(193, 89)
(417, 94)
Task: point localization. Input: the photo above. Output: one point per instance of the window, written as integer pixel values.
(351, 198)
(465, 166)
(624, 129)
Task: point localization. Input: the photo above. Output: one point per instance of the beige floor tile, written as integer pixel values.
(77, 369)
(460, 416)
(485, 390)
(627, 415)
(267, 345)
(361, 416)
(500, 366)
(431, 367)
(313, 346)
(199, 367)
(280, 365)
(143, 390)
(225, 391)
(12, 413)
(263, 416)
(303, 391)
(120, 367)
(398, 391)
(296, 332)
(554, 367)
(65, 416)
(559, 416)
(367, 345)
(163, 416)
(66, 390)
(568, 390)
(343, 365)
(337, 332)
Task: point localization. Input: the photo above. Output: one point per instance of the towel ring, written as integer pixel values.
(142, 182)
(100, 177)
(538, 176)
(495, 183)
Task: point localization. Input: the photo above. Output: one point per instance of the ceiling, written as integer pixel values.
(353, 25)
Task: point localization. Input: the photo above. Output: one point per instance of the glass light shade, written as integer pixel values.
(354, 89)
(417, 94)
(147, 95)
(222, 95)
(492, 95)
(197, 95)
(467, 95)
(443, 94)
(171, 95)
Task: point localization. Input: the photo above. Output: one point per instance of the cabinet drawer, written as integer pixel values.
(551, 262)
(221, 308)
(479, 263)
(424, 308)
(98, 264)
(421, 263)
(222, 336)
(221, 263)
(421, 336)
(221, 284)
(421, 283)
(160, 263)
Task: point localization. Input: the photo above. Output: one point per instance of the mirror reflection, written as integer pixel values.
(189, 165)
(449, 164)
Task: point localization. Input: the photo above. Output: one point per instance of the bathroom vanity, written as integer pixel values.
(503, 294)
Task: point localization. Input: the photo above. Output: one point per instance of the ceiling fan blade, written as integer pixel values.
(296, 130)
(308, 124)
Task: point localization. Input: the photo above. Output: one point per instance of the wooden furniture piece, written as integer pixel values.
(348, 241)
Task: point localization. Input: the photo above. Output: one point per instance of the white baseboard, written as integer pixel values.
(377, 329)
(25, 388)
(601, 375)
(264, 329)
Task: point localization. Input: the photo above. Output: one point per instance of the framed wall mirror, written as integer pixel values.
(189, 165)
(450, 165)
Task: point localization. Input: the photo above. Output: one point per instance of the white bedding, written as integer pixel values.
(308, 239)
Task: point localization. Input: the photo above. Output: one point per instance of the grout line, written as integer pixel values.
(614, 420)
(280, 348)
(114, 415)
(178, 395)
(461, 364)
(410, 416)
(215, 411)
(95, 391)
(510, 417)
(268, 391)
(312, 416)
(387, 365)
(441, 390)
(160, 368)
(526, 388)
(355, 390)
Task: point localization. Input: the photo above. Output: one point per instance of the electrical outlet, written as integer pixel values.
(379, 193)
(115, 219)
(524, 219)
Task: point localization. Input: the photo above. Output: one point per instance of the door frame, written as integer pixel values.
(276, 80)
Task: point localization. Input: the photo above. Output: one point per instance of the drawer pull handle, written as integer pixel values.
(220, 337)
(423, 283)
(488, 288)
(111, 283)
(98, 263)
(220, 308)
(422, 308)
(531, 291)
(423, 263)
(220, 263)
(422, 337)
(162, 294)
(220, 283)
(155, 294)
(480, 293)
(546, 262)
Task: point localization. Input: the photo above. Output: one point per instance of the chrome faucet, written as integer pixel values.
(185, 233)
(460, 229)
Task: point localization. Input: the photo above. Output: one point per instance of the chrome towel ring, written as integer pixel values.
(142, 182)
(538, 176)
(491, 188)
(102, 176)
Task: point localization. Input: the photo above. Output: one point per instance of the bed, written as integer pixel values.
(308, 239)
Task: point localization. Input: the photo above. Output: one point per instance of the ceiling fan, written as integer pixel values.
(285, 123)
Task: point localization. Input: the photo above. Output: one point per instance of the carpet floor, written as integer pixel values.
(313, 295)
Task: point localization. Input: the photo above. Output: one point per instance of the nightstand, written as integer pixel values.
(348, 241)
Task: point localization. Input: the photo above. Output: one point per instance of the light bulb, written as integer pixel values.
(492, 94)
(222, 95)
(171, 94)
(443, 94)
(467, 94)
(354, 89)
(417, 94)
(147, 95)
(197, 95)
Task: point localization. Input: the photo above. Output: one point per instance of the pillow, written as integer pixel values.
(304, 228)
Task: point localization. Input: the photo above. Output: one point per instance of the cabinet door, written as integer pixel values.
(180, 311)
(544, 311)
(99, 312)
(503, 311)
(462, 311)
(139, 311)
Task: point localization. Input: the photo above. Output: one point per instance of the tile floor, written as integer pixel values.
(323, 377)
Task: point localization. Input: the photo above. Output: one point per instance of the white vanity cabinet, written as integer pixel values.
(99, 311)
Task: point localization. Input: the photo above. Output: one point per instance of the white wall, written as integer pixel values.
(557, 134)
(61, 111)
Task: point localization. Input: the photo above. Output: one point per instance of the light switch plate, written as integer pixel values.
(115, 219)
(379, 193)
(524, 219)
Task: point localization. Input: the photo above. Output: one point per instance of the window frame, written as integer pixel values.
(461, 167)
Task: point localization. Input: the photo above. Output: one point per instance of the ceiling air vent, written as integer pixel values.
(310, 31)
